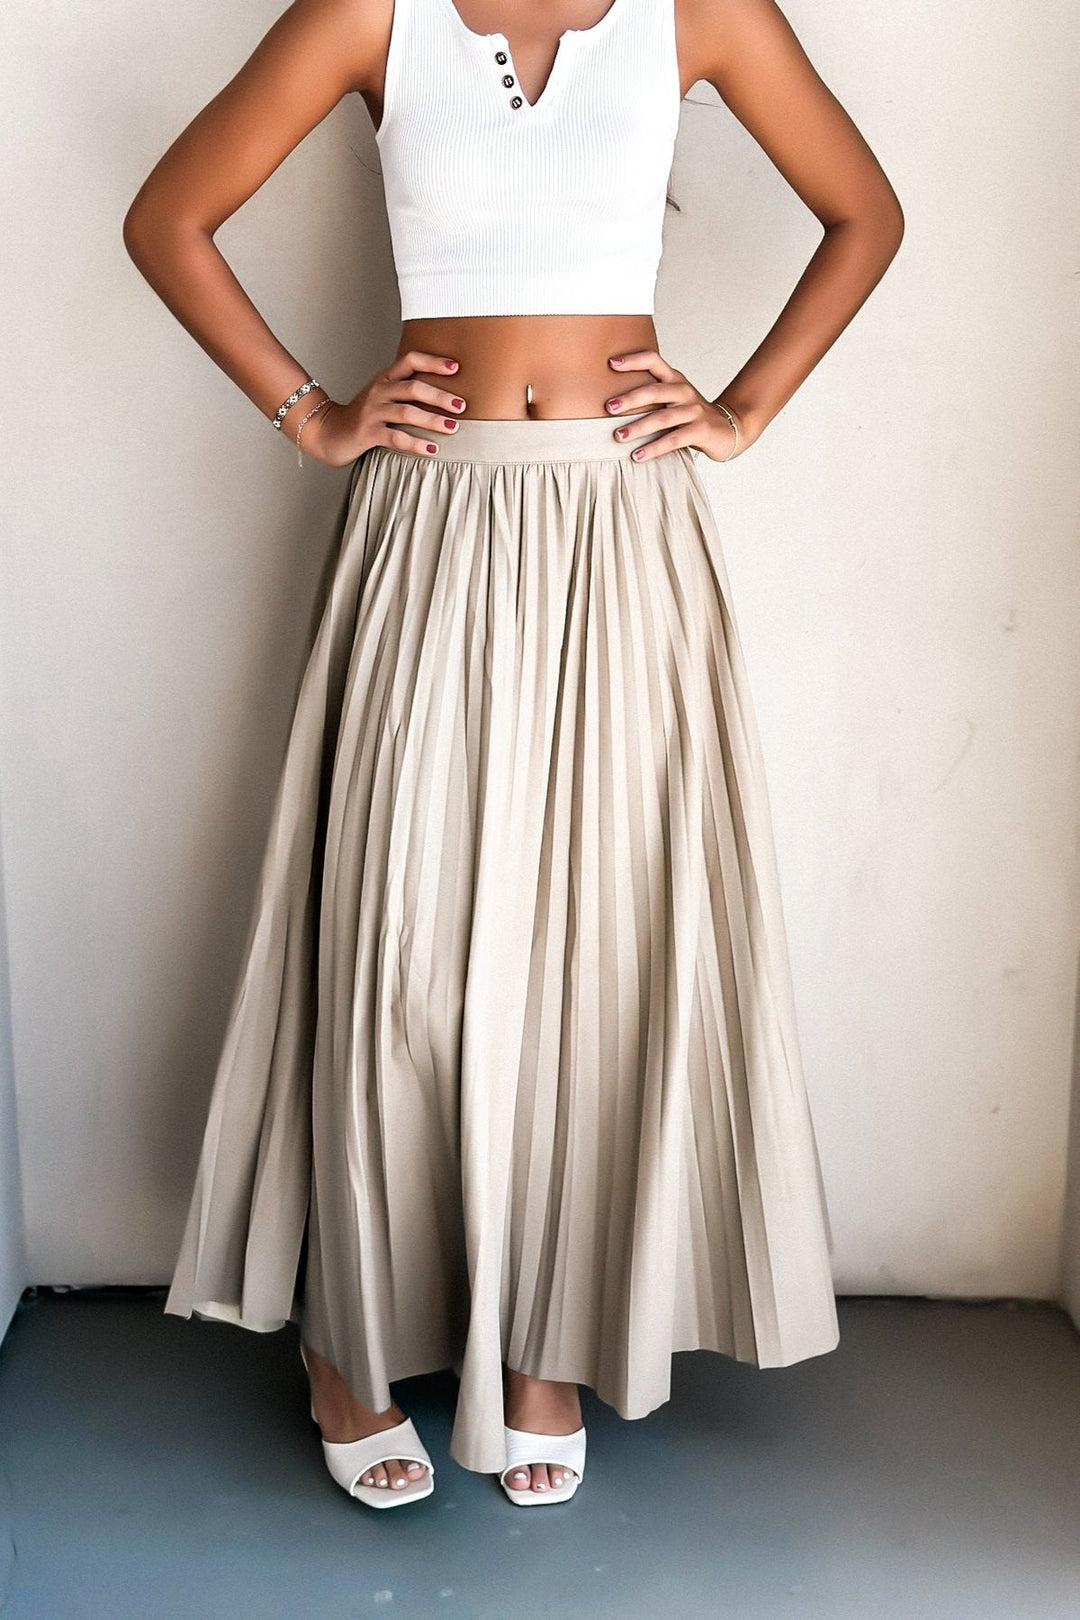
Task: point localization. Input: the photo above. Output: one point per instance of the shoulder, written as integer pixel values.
(345, 40)
(715, 36)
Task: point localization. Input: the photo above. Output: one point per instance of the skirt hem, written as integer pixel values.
(629, 1410)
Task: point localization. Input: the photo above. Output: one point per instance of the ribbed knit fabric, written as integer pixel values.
(502, 207)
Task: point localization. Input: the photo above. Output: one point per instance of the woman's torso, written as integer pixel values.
(515, 366)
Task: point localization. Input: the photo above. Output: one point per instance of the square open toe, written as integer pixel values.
(348, 1460)
(524, 1447)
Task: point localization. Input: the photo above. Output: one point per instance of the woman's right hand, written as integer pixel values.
(342, 432)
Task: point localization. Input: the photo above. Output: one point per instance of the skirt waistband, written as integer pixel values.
(556, 438)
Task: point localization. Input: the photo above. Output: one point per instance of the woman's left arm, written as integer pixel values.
(748, 51)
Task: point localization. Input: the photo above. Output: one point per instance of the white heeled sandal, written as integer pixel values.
(348, 1460)
(565, 1450)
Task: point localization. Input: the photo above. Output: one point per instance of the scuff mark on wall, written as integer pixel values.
(964, 746)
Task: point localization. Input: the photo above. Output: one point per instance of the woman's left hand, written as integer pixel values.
(690, 418)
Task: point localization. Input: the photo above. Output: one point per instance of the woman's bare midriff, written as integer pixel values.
(563, 357)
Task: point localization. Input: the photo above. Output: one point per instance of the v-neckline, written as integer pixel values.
(560, 52)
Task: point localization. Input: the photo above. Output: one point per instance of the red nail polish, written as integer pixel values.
(433, 447)
(448, 421)
(637, 454)
(457, 403)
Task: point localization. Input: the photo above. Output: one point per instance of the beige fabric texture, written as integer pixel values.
(512, 1072)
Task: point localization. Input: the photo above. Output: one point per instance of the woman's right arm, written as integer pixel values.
(314, 54)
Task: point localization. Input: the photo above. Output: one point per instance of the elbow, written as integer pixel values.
(877, 222)
(153, 233)
(885, 218)
(882, 232)
(892, 223)
(130, 235)
(138, 231)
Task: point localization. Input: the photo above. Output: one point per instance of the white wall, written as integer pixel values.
(14, 1271)
(1070, 1268)
(902, 550)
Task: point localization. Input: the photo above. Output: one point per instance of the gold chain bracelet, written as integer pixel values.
(313, 411)
(734, 427)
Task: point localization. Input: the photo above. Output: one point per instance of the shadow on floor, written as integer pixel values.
(926, 1469)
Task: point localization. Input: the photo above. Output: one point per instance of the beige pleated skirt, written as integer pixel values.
(512, 1072)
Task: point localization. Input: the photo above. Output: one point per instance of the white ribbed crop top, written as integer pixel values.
(502, 207)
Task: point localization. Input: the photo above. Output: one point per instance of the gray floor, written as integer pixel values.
(927, 1469)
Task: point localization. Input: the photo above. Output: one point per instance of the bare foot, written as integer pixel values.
(343, 1418)
(540, 1406)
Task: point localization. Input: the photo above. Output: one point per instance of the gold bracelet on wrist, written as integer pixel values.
(734, 427)
(313, 411)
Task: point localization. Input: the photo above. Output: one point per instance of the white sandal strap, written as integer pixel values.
(347, 1460)
(565, 1449)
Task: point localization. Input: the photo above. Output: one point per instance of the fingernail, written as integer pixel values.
(615, 359)
(620, 433)
(451, 365)
(449, 422)
(638, 453)
(613, 404)
(457, 404)
(433, 448)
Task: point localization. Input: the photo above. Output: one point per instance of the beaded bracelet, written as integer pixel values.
(315, 409)
(734, 427)
(305, 388)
